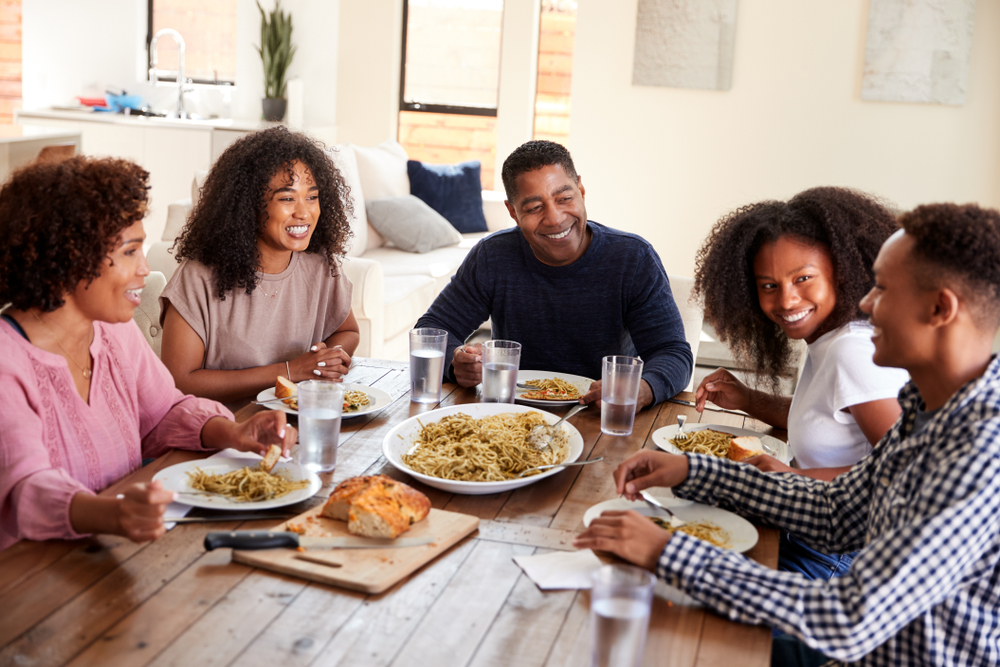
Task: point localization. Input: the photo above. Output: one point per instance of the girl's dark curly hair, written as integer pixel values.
(231, 211)
(850, 225)
(58, 223)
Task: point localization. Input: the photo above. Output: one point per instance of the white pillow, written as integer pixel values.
(411, 224)
(382, 170)
(343, 156)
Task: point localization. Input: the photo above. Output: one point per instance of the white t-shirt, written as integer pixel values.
(838, 373)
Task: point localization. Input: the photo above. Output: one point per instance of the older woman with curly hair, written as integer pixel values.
(259, 293)
(776, 271)
(85, 396)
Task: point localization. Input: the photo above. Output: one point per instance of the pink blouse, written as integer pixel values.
(54, 445)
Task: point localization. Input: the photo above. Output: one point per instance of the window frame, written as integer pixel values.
(173, 79)
(429, 108)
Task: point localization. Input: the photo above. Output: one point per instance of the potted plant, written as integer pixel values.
(276, 52)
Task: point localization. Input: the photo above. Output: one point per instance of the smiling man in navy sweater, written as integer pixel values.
(570, 290)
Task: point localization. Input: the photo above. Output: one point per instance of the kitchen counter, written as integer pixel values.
(20, 144)
(142, 121)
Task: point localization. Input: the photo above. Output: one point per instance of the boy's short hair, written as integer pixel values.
(959, 246)
(534, 155)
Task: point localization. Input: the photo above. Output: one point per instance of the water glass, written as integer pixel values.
(619, 392)
(500, 361)
(621, 597)
(427, 348)
(321, 403)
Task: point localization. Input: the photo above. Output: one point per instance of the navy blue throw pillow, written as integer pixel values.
(453, 190)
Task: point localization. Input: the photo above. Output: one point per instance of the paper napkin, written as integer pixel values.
(560, 569)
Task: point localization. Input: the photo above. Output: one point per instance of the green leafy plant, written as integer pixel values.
(276, 49)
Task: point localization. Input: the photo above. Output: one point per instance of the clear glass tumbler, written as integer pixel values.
(619, 392)
(621, 597)
(321, 404)
(427, 348)
(500, 362)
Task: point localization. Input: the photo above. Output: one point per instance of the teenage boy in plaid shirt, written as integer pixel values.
(923, 508)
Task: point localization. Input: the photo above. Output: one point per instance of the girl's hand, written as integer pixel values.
(140, 511)
(648, 468)
(767, 463)
(320, 362)
(628, 535)
(262, 430)
(724, 389)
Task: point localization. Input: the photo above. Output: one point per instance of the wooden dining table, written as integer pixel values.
(107, 601)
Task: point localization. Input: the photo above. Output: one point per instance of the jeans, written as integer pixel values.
(794, 556)
(787, 651)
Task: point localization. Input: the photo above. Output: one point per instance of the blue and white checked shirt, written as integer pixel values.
(923, 508)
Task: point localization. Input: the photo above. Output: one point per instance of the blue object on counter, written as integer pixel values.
(121, 102)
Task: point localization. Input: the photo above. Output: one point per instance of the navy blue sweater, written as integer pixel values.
(615, 299)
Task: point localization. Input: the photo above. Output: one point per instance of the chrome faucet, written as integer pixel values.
(154, 73)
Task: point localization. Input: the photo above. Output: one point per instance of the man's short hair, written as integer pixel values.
(959, 246)
(534, 155)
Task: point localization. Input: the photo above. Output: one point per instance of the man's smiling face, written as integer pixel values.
(550, 212)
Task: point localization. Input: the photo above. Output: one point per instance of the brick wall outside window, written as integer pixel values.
(10, 59)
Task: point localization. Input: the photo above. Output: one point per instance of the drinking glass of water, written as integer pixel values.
(321, 403)
(500, 362)
(619, 392)
(427, 347)
(621, 597)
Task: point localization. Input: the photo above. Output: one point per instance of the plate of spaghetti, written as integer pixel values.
(478, 448)
(223, 483)
(552, 388)
(711, 524)
(359, 400)
(713, 439)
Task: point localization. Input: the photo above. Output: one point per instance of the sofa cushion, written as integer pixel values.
(406, 299)
(343, 156)
(453, 190)
(410, 224)
(382, 170)
(439, 264)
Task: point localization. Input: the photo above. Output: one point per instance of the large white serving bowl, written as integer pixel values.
(399, 440)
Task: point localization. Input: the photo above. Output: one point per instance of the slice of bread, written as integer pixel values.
(285, 388)
(271, 458)
(744, 447)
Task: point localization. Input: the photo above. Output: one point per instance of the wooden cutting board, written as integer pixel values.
(365, 570)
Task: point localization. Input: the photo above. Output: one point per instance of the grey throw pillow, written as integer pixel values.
(410, 224)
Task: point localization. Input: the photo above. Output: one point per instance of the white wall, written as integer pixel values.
(112, 34)
(667, 163)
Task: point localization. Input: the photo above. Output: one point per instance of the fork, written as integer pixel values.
(675, 521)
(681, 419)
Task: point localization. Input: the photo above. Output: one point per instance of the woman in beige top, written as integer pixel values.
(259, 292)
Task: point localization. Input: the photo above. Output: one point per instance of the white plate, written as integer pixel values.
(399, 440)
(742, 534)
(662, 437)
(175, 478)
(378, 400)
(581, 383)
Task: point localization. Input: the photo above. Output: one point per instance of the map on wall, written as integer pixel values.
(685, 43)
(918, 51)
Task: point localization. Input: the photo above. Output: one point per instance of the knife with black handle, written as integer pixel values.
(273, 539)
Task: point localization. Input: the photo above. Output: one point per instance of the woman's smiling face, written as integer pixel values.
(115, 294)
(796, 286)
(292, 210)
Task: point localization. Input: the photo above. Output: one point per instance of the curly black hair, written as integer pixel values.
(223, 228)
(533, 155)
(959, 244)
(58, 223)
(849, 224)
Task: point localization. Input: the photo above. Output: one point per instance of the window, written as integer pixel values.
(555, 70)
(449, 81)
(209, 33)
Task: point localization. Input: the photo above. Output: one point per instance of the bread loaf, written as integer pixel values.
(744, 447)
(376, 506)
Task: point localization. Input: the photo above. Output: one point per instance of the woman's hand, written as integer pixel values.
(628, 535)
(648, 468)
(767, 463)
(468, 364)
(140, 511)
(724, 389)
(257, 434)
(320, 362)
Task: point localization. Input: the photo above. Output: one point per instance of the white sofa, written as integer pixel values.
(392, 287)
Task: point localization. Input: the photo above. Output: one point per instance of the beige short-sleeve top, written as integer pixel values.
(281, 319)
